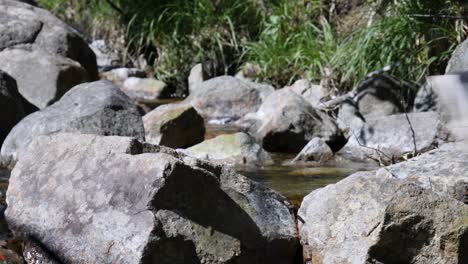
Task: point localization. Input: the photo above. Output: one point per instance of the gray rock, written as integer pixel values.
(228, 98)
(380, 95)
(106, 58)
(42, 78)
(238, 148)
(390, 138)
(92, 199)
(459, 60)
(421, 227)
(11, 106)
(426, 98)
(316, 151)
(311, 92)
(346, 222)
(92, 108)
(119, 75)
(145, 89)
(349, 116)
(174, 126)
(196, 77)
(53, 36)
(286, 122)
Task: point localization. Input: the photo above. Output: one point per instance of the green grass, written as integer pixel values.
(288, 40)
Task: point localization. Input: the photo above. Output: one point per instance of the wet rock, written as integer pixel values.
(196, 77)
(380, 95)
(145, 89)
(11, 106)
(390, 138)
(286, 122)
(228, 98)
(119, 75)
(238, 148)
(42, 78)
(38, 29)
(459, 60)
(174, 126)
(316, 151)
(92, 108)
(116, 200)
(348, 221)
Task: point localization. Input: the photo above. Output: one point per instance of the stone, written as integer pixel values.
(390, 138)
(94, 199)
(343, 221)
(316, 150)
(196, 77)
(380, 95)
(145, 89)
(11, 106)
(459, 60)
(238, 148)
(174, 126)
(42, 78)
(349, 116)
(106, 59)
(119, 75)
(421, 227)
(91, 108)
(426, 98)
(228, 99)
(38, 29)
(311, 92)
(286, 122)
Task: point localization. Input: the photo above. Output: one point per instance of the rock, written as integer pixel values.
(38, 29)
(249, 72)
(311, 92)
(11, 106)
(92, 199)
(106, 59)
(119, 75)
(459, 60)
(174, 126)
(380, 95)
(286, 122)
(228, 98)
(426, 98)
(343, 222)
(389, 138)
(421, 227)
(316, 150)
(92, 108)
(42, 78)
(196, 78)
(145, 89)
(238, 148)
(349, 116)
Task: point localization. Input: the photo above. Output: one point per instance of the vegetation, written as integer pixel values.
(286, 39)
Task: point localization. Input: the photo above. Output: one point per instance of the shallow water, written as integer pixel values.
(292, 181)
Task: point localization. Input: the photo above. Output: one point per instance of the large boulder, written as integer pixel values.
(42, 78)
(370, 214)
(238, 148)
(390, 138)
(11, 106)
(36, 28)
(286, 122)
(459, 60)
(92, 199)
(227, 98)
(174, 126)
(93, 108)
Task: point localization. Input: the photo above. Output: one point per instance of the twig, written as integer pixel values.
(413, 134)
